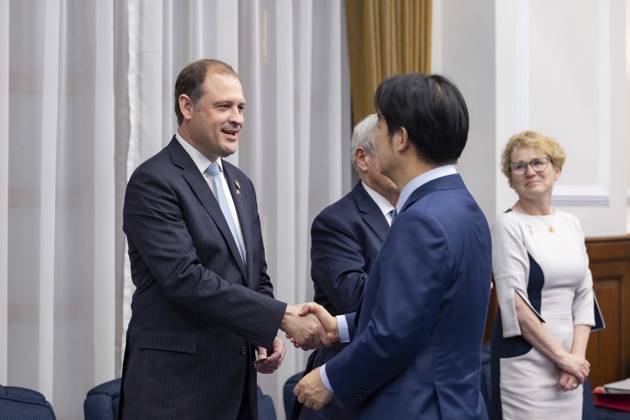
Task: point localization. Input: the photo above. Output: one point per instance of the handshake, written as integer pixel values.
(309, 326)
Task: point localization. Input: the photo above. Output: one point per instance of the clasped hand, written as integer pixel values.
(311, 391)
(310, 326)
(574, 371)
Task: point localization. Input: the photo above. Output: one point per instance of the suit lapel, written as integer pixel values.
(374, 218)
(200, 187)
(370, 212)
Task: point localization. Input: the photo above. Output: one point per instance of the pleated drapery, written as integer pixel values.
(385, 37)
(86, 94)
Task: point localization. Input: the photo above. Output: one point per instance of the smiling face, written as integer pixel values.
(214, 123)
(531, 184)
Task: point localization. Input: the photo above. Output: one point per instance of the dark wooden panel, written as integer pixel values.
(605, 350)
(609, 349)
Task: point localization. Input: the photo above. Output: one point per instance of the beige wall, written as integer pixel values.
(556, 68)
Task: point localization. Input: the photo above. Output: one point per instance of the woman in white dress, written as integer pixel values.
(544, 288)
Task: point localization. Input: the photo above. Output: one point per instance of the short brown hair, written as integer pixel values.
(548, 145)
(190, 80)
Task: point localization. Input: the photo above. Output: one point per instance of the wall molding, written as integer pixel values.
(581, 196)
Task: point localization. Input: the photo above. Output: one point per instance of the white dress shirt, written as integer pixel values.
(383, 204)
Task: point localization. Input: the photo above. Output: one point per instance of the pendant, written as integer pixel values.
(552, 229)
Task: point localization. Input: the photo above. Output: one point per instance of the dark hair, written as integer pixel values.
(431, 109)
(190, 80)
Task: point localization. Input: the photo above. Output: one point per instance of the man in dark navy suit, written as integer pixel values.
(204, 319)
(346, 237)
(415, 350)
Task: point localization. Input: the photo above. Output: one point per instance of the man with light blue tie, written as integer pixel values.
(204, 319)
(415, 349)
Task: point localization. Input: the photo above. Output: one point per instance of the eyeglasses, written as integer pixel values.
(538, 165)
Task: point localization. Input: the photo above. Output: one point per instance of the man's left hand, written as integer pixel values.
(311, 391)
(268, 364)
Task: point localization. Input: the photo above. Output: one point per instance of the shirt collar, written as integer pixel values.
(383, 204)
(422, 179)
(201, 162)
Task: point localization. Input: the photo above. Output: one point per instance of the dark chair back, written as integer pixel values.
(266, 410)
(24, 404)
(287, 391)
(101, 401)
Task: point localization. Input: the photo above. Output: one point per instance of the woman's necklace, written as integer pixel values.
(550, 228)
(542, 217)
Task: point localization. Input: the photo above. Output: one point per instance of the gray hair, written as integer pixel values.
(363, 136)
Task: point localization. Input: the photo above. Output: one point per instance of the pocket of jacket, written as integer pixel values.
(168, 340)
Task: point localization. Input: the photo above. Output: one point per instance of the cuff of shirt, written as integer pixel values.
(342, 326)
(324, 378)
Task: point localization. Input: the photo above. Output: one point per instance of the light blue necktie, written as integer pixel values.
(215, 172)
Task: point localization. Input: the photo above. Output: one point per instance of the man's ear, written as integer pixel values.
(401, 139)
(360, 157)
(186, 106)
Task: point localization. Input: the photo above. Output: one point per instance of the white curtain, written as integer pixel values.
(4, 183)
(291, 58)
(85, 96)
(59, 284)
(296, 142)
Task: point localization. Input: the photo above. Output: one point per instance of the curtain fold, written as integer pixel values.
(385, 37)
(4, 183)
(61, 202)
(296, 140)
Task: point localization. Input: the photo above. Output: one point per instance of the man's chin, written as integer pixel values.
(228, 151)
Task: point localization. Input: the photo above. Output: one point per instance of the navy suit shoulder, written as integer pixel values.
(417, 348)
(346, 237)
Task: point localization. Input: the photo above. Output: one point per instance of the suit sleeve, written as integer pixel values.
(337, 262)
(156, 229)
(351, 322)
(585, 307)
(510, 265)
(415, 272)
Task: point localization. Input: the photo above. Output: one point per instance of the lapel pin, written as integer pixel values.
(238, 187)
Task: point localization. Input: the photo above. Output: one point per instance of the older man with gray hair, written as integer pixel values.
(346, 237)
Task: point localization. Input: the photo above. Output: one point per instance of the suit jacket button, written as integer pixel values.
(243, 350)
